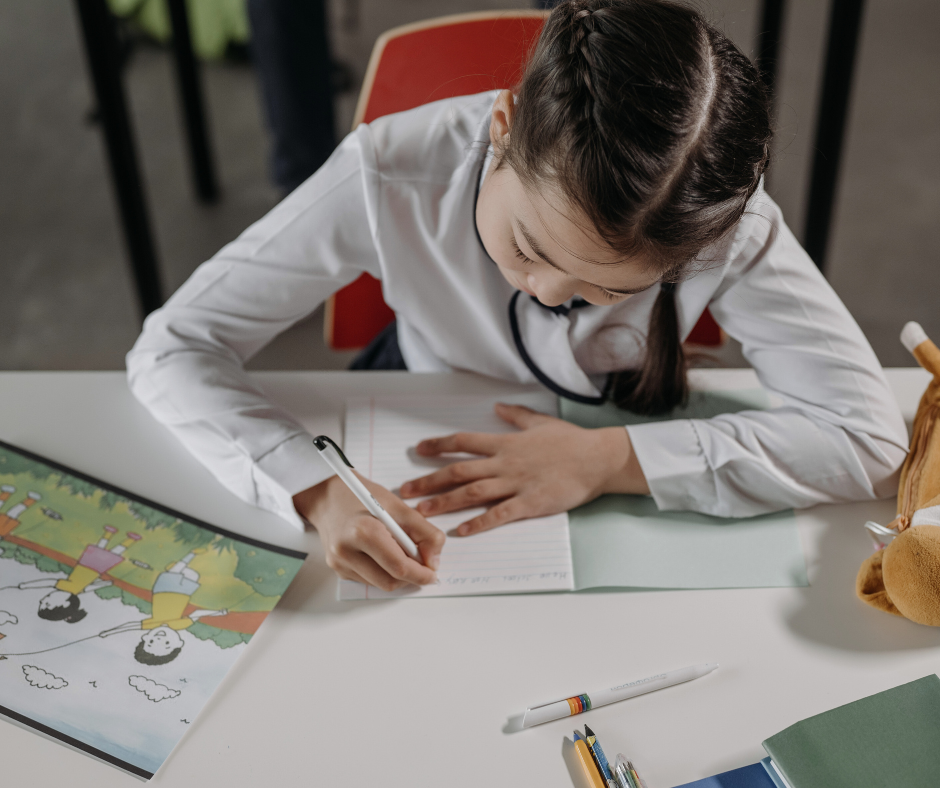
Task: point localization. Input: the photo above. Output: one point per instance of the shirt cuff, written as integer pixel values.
(286, 470)
(671, 456)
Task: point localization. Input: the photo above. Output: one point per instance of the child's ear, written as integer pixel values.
(501, 119)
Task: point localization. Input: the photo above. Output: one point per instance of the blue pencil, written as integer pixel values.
(598, 754)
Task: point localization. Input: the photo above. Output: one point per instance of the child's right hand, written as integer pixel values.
(359, 547)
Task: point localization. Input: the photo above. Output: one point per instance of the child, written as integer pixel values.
(572, 234)
(161, 641)
(63, 604)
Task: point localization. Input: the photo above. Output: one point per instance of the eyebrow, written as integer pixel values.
(540, 253)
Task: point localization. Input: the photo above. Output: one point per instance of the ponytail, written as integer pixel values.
(660, 385)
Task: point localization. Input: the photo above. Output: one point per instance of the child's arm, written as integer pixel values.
(187, 365)
(127, 626)
(197, 614)
(43, 582)
(839, 435)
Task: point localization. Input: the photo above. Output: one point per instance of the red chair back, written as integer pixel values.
(414, 65)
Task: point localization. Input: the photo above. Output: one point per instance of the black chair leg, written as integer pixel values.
(768, 41)
(190, 89)
(101, 50)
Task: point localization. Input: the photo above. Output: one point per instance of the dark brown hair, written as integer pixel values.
(71, 612)
(146, 658)
(656, 127)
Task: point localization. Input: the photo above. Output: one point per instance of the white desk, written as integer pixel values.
(416, 692)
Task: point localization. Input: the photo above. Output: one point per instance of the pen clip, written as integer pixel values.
(320, 442)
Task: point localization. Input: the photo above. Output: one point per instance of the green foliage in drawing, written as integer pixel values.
(113, 592)
(31, 558)
(223, 638)
(268, 573)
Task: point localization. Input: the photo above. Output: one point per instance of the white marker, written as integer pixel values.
(559, 709)
(333, 456)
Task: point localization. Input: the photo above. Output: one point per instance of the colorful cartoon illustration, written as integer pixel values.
(63, 603)
(10, 520)
(161, 641)
(6, 490)
(107, 563)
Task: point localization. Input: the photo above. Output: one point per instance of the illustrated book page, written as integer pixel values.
(119, 617)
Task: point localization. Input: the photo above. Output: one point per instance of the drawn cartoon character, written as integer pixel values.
(62, 603)
(11, 519)
(161, 641)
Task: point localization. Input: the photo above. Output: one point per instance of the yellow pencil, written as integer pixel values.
(587, 763)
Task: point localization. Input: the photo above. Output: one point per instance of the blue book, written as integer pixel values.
(753, 776)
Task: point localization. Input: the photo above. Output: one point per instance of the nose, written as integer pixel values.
(552, 287)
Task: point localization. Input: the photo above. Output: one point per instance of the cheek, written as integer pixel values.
(593, 297)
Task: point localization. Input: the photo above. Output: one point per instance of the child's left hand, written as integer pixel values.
(549, 466)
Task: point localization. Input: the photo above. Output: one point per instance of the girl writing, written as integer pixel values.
(570, 233)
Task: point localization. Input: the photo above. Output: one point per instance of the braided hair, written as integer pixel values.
(657, 129)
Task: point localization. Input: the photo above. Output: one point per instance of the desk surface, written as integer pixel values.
(417, 692)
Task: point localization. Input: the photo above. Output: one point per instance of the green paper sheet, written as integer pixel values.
(625, 541)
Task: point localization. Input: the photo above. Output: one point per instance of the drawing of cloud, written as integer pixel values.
(37, 677)
(7, 618)
(153, 691)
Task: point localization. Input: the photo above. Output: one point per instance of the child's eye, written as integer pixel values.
(610, 296)
(521, 255)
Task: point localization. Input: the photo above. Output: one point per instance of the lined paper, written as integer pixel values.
(527, 556)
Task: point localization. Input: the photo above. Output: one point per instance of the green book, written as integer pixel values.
(886, 740)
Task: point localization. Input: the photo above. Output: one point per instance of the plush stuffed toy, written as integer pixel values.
(903, 576)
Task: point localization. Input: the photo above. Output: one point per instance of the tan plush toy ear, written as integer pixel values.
(870, 584)
(904, 578)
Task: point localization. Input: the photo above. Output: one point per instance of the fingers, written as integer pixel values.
(520, 416)
(369, 551)
(363, 569)
(428, 538)
(402, 567)
(453, 475)
(507, 511)
(475, 493)
(469, 442)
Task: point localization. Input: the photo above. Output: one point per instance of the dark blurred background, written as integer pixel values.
(67, 295)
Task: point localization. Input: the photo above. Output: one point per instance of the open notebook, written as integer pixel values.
(530, 555)
(617, 541)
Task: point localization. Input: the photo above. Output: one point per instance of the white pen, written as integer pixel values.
(333, 456)
(559, 709)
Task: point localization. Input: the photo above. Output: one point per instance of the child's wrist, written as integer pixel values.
(309, 503)
(626, 475)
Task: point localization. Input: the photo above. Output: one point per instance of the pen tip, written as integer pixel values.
(588, 731)
(577, 736)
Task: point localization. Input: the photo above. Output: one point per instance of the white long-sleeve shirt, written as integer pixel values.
(397, 200)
